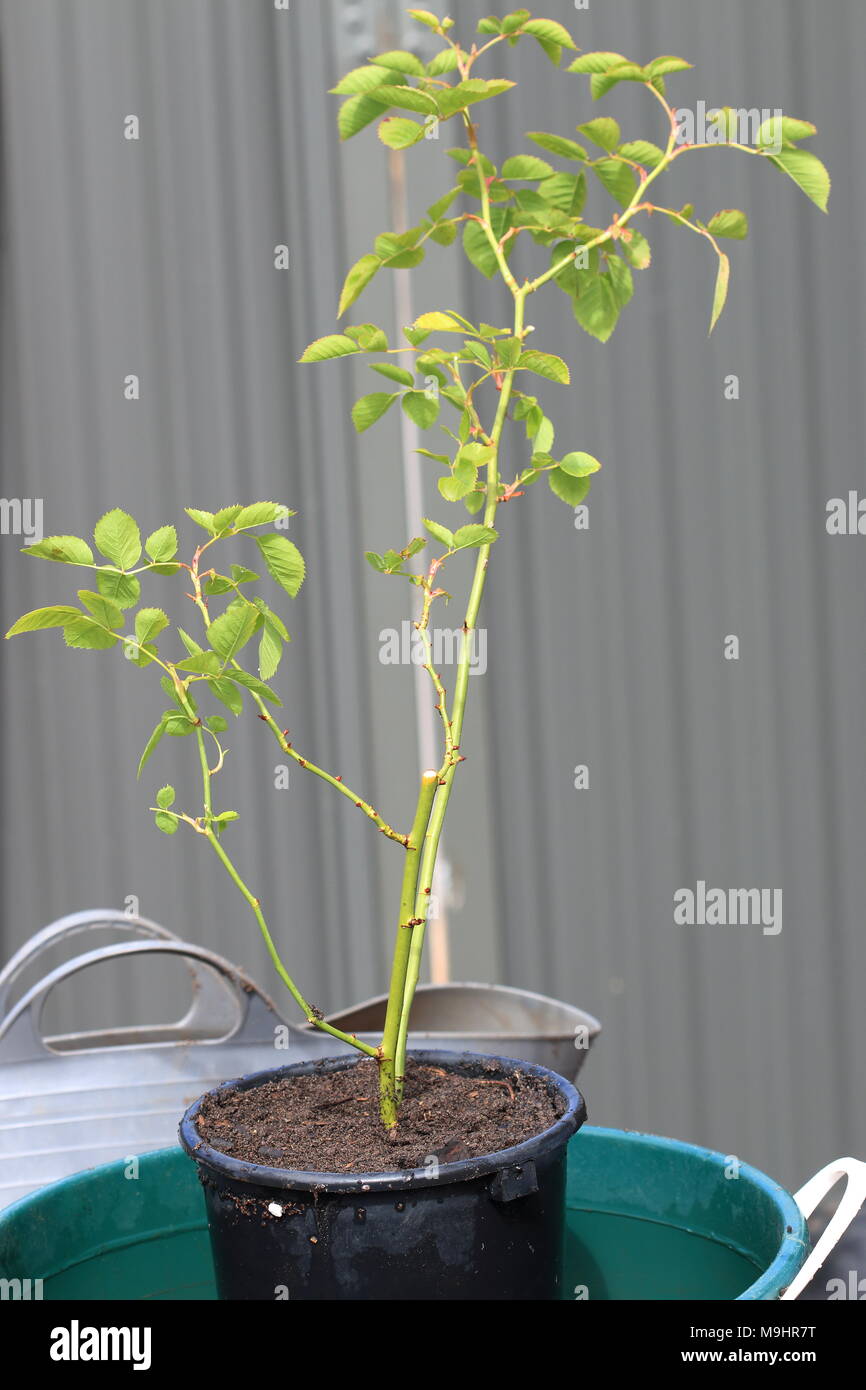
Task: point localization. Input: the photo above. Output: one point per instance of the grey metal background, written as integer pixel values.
(606, 646)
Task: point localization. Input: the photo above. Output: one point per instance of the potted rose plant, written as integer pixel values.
(328, 1179)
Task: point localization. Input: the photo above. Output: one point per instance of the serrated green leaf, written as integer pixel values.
(619, 179)
(393, 373)
(465, 94)
(118, 538)
(446, 60)
(666, 63)
(636, 249)
(783, 130)
(466, 537)
(596, 308)
(231, 631)
(369, 337)
(399, 132)
(478, 249)
(368, 409)
(357, 279)
(284, 561)
(227, 692)
(579, 465)
(361, 80)
(323, 349)
(250, 682)
(439, 533)
(545, 364)
(39, 619)
(557, 144)
(596, 62)
(438, 322)
(525, 166)
(460, 481)
(808, 173)
(201, 663)
(407, 98)
(357, 112)
(621, 280)
(604, 131)
(569, 489)
(551, 34)
(161, 545)
(730, 222)
(270, 651)
(203, 519)
(106, 612)
(642, 152)
(124, 589)
(225, 518)
(241, 575)
(399, 60)
(260, 514)
(190, 643)
(422, 409)
(149, 623)
(88, 634)
(67, 550)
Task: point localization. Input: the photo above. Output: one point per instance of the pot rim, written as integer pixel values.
(462, 1170)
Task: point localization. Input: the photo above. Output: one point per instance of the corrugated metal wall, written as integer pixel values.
(155, 257)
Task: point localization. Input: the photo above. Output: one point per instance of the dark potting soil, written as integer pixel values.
(328, 1122)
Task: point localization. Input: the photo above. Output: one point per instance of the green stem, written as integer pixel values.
(443, 791)
(388, 1093)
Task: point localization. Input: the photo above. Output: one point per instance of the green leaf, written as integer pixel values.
(270, 651)
(545, 364)
(467, 536)
(190, 643)
(438, 322)
(446, 60)
(399, 60)
(323, 349)
(667, 63)
(636, 249)
(203, 519)
(241, 575)
(465, 94)
(597, 308)
(40, 618)
(250, 682)
(552, 36)
(426, 17)
(177, 723)
(393, 373)
(808, 173)
(478, 249)
(357, 112)
(579, 465)
(730, 222)
(68, 550)
(642, 152)
(368, 336)
(260, 514)
(216, 723)
(596, 62)
(460, 481)
(407, 98)
(357, 279)
(149, 623)
(784, 130)
(439, 533)
(225, 518)
(361, 80)
(150, 745)
(165, 797)
(368, 409)
(571, 490)
(398, 132)
(526, 166)
(106, 612)
(491, 25)
(225, 817)
(721, 290)
(166, 821)
(284, 561)
(602, 82)
(619, 179)
(514, 21)
(421, 408)
(161, 545)
(201, 663)
(604, 131)
(118, 538)
(621, 280)
(226, 691)
(124, 589)
(231, 631)
(88, 633)
(557, 144)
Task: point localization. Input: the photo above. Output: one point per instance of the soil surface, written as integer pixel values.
(329, 1121)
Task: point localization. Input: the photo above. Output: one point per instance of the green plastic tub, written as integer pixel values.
(648, 1218)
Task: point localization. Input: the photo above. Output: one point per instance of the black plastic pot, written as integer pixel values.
(482, 1228)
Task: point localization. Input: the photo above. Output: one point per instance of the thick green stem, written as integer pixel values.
(461, 690)
(388, 1096)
